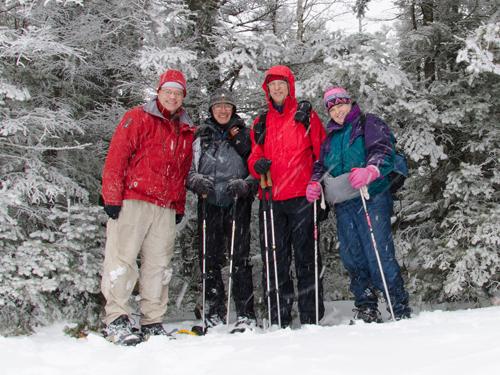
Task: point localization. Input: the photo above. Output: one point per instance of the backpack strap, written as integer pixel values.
(362, 120)
(260, 129)
(302, 115)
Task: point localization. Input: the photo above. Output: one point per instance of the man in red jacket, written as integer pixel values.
(287, 148)
(143, 187)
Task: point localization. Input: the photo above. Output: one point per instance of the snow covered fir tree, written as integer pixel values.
(70, 69)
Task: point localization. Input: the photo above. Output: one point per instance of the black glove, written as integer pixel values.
(238, 188)
(262, 166)
(112, 211)
(303, 113)
(202, 185)
(178, 218)
(236, 122)
(254, 186)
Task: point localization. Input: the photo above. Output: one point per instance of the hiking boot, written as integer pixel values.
(121, 332)
(155, 329)
(213, 321)
(405, 314)
(367, 314)
(244, 323)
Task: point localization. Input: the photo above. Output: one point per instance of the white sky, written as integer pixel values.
(381, 13)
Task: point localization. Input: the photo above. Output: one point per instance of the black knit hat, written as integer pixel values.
(221, 95)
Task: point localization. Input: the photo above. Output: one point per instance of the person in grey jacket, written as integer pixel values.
(219, 176)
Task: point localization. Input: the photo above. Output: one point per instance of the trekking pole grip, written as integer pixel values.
(263, 184)
(269, 181)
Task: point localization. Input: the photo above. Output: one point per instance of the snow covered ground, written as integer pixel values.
(432, 343)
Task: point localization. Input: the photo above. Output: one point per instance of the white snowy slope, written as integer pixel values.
(432, 343)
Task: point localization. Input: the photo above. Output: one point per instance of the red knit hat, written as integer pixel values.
(175, 77)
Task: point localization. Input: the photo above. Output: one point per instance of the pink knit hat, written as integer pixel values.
(334, 96)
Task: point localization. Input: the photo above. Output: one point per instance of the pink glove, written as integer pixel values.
(360, 177)
(313, 191)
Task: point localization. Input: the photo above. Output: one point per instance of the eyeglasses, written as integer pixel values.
(222, 106)
(338, 108)
(169, 92)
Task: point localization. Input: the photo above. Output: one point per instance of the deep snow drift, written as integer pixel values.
(439, 342)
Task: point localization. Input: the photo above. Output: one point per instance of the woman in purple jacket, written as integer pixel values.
(361, 146)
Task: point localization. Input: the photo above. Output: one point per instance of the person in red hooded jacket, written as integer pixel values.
(287, 149)
(143, 188)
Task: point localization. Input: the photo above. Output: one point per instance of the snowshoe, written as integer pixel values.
(243, 324)
(121, 332)
(211, 321)
(367, 315)
(155, 329)
(214, 320)
(406, 314)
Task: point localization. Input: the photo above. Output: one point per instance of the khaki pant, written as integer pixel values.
(143, 228)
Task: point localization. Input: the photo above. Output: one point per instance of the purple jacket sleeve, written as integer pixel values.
(378, 144)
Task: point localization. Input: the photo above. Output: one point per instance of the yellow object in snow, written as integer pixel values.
(186, 332)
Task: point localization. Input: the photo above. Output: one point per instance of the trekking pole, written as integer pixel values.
(365, 196)
(266, 245)
(270, 187)
(316, 251)
(316, 286)
(203, 255)
(233, 235)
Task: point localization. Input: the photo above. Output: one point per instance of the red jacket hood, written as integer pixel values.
(284, 71)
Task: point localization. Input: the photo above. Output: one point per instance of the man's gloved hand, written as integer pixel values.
(232, 132)
(238, 188)
(303, 113)
(202, 185)
(112, 211)
(262, 166)
(360, 177)
(178, 218)
(313, 191)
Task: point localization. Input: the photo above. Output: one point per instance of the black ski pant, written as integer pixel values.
(218, 245)
(293, 226)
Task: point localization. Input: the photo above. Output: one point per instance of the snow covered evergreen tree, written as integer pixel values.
(451, 242)
(57, 73)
